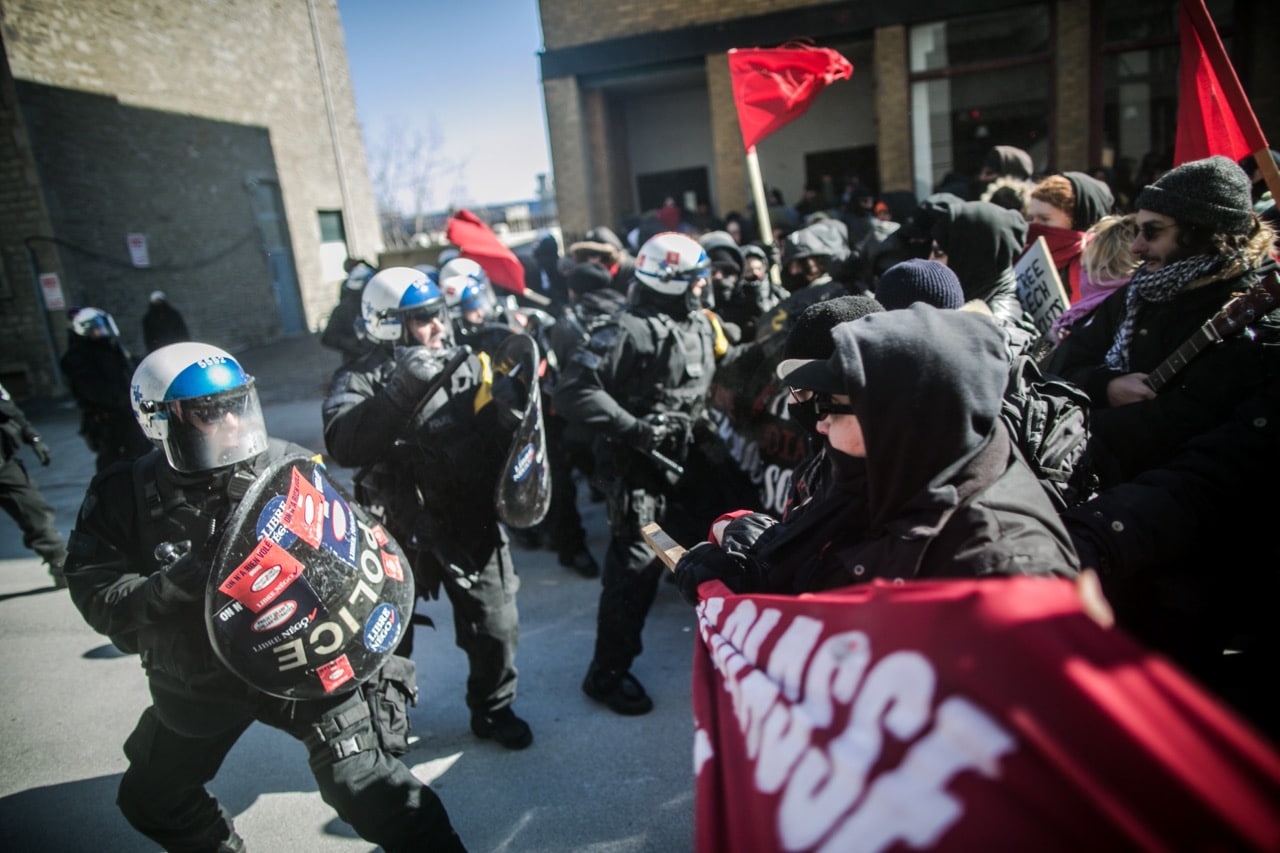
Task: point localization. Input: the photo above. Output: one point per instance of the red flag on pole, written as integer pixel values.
(476, 241)
(1214, 116)
(773, 86)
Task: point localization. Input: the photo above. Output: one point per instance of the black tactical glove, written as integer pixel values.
(414, 370)
(40, 449)
(511, 396)
(704, 562)
(741, 534)
(659, 432)
(183, 576)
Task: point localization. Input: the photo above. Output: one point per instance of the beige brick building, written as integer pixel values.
(639, 103)
(222, 137)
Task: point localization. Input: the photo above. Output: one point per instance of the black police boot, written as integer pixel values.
(503, 726)
(581, 561)
(620, 691)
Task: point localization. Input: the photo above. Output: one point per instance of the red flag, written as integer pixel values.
(773, 86)
(959, 715)
(476, 241)
(1214, 116)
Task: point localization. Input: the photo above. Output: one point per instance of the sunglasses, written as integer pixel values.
(823, 402)
(1151, 230)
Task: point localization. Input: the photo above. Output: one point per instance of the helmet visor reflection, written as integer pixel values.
(215, 431)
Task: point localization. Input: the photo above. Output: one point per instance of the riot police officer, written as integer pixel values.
(429, 458)
(195, 402)
(98, 369)
(639, 385)
(20, 496)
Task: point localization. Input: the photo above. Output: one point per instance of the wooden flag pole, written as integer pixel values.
(762, 209)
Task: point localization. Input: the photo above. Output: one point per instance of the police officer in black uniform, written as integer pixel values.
(429, 462)
(98, 369)
(138, 565)
(639, 385)
(20, 496)
(593, 303)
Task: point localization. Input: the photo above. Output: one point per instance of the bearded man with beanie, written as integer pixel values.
(1200, 244)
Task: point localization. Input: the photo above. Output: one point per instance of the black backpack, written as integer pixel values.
(1048, 419)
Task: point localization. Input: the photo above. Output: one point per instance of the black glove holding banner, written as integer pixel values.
(415, 368)
(704, 562)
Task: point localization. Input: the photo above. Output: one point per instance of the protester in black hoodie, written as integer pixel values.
(915, 396)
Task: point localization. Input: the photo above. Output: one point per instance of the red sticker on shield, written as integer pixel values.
(335, 673)
(391, 565)
(261, 578)
(379, 535)
(304, 510)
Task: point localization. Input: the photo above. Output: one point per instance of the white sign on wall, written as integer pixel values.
(51, 290)
(138, 250)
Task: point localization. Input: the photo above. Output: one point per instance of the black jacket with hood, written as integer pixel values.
(947, 494)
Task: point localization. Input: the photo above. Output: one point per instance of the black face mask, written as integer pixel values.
(847, 467)
(804, 414)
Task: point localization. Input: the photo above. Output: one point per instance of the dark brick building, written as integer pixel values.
(639, 104)
(221, 136)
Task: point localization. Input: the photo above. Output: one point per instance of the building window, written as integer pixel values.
(1138, 63)
(333, 245)
(331, 227)
(978, 81)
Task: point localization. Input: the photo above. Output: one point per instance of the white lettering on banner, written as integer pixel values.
(828, 794)
(909, 803)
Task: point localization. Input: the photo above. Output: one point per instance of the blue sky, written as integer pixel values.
(467, 69)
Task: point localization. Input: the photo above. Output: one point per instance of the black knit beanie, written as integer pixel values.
(1213, 192)
(810, 337)
(916, 280)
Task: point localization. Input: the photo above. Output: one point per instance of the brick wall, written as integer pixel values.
(566, 23)
(238, 81)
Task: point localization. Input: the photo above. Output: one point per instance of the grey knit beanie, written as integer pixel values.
(916, 280)
(1213, 192)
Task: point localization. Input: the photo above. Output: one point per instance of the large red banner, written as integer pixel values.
(960, 715)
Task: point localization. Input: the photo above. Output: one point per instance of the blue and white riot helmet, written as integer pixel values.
(94, 324)
(196, 402)
(671, 266)
(397, 292)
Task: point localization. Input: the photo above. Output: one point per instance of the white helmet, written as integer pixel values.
(457, 275)
(392, 293)
(94, 323)
(195, 401)
(668, 263)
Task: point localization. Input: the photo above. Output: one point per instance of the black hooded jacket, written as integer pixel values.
(982, 241)
(1093, 200)
(945, 492)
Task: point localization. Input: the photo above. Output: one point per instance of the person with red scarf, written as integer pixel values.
(1061, 209)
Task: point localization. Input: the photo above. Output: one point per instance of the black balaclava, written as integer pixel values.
(810, 337)
(1094, 200)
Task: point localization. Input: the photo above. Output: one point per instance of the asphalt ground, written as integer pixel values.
(591, 781)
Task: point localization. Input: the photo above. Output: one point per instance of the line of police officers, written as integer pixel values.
(427, 421)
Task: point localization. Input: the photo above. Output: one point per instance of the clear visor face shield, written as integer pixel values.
(214, 431)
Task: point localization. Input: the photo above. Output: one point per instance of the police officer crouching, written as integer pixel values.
(428, 425)
(195, 402)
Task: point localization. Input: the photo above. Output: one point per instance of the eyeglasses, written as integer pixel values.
(1151, 230)
(824, 405)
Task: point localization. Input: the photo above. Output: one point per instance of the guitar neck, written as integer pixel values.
(1238, 313)
(1202, 339)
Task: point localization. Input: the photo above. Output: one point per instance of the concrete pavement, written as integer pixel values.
(591, 781)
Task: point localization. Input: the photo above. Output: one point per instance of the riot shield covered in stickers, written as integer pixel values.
(308, 595)
(523, 492)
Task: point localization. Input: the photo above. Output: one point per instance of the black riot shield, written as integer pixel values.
(308, 595)
(523, 492)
